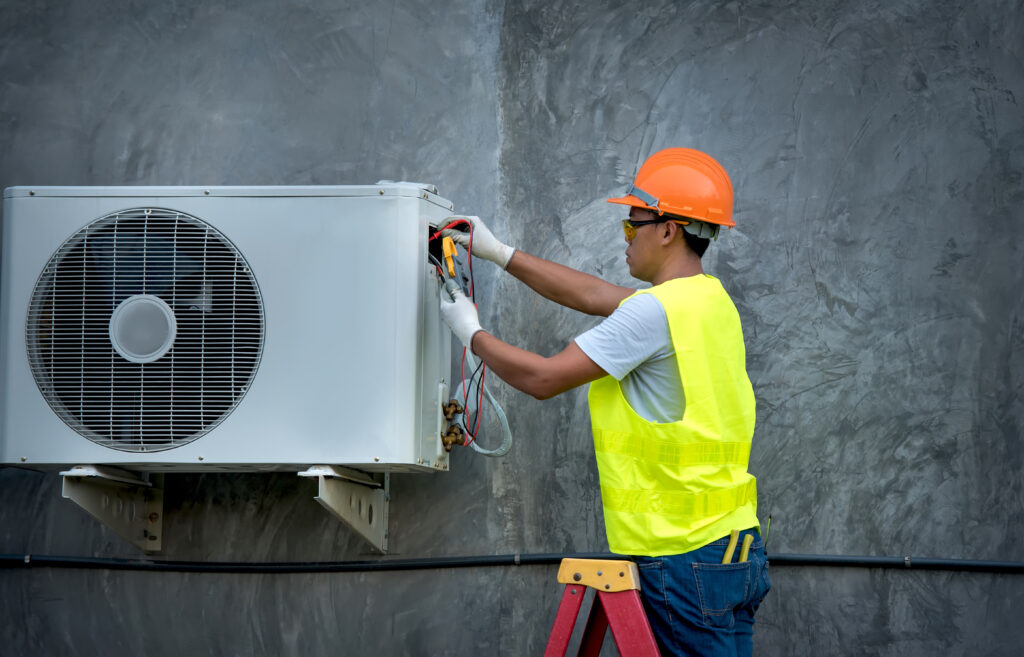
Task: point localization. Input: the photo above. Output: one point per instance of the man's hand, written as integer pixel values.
(460, 315)
(485, 244)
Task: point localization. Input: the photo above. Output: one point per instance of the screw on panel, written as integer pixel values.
(24, 458)
(376, 459)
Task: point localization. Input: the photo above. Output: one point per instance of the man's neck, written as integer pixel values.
(678, 268)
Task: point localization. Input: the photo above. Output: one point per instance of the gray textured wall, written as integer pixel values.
(877, 151)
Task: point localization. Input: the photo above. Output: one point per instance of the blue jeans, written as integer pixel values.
(699, 606)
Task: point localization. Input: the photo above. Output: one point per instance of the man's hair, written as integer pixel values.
(698, 244)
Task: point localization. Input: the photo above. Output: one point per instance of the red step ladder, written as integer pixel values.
(616, 605)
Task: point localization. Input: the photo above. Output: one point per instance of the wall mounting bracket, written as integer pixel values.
(358, 499)
(129, 505)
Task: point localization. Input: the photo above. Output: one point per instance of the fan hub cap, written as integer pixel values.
(143, 328)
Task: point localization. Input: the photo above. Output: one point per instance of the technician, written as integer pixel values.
(671, 406)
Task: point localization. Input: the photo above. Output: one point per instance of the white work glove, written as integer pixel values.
(485, 244)
(460, 315)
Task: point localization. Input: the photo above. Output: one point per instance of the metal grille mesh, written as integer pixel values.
(144, 407)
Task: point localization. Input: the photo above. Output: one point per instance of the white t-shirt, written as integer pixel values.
(634, 345)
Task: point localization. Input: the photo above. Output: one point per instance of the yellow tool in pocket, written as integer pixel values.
(734, 537)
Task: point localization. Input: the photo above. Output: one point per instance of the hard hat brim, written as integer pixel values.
(632, 201)
(635, 202)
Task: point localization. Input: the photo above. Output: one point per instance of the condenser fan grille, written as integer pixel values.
(145, 330)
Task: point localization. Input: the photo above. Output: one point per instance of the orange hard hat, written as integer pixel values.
(683, 182)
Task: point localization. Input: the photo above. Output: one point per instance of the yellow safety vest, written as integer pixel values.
(669, 488)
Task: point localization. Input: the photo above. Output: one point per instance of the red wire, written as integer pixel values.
(437, 233)
(470, 435)
(483, 367)
(469, 257)
(480, 402)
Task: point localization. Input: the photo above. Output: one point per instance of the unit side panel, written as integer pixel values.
(435, 358)
(405, 301)
(5, 318)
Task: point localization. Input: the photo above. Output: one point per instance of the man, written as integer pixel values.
(671, 406)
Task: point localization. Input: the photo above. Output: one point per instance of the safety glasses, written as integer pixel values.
(697, 228)
(630, 226)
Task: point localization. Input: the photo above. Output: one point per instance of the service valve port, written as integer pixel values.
(452, 437)
(451, 409)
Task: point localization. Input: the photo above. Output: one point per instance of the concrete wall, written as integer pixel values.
(876, 151)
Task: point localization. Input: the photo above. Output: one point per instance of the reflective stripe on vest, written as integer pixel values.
(679, 504)
(661, 451)
(669, 488)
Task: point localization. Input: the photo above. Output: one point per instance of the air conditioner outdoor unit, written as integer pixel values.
(156, 329)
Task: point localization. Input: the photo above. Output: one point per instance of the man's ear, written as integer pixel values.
(670, 230)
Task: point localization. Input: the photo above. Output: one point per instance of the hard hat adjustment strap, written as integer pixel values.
(643, 196)
(702, 229)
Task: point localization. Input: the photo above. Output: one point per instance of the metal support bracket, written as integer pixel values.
(130, 506)
(357, 499)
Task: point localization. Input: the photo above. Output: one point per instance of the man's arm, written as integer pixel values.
(561, 284)
(567, 286)
(529, 372)
(534, 374)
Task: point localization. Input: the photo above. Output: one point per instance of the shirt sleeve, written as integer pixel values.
(636, 332)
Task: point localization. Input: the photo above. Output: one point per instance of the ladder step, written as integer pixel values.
(600, 574)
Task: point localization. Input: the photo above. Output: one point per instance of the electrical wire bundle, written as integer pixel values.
(471, 422)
